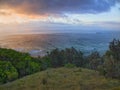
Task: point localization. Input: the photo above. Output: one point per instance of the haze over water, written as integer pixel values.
(39, 44)
(37, 26)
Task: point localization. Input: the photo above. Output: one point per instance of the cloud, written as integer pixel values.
(4, 12)
(57, 7)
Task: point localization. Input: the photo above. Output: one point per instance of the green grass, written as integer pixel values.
(64, 79)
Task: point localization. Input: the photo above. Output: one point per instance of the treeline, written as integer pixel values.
(108, 64)
(14, 65)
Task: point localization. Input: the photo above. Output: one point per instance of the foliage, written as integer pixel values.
(69, 55)
(15, 64)
(20, 64)
(114, 49)
(111, 66)
(69, 65)
(94, 60)
(7, 72)
(46, 62)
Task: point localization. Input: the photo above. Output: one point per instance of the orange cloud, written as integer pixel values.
(11, 16)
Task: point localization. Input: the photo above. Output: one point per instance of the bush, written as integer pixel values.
(69, 65)
(46, 62)
(94, 60)
(111, 66)
(7, 72)
(33, 67)
(23, 62)
(70, 55)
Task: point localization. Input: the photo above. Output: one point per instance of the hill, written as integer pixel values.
(63, 79)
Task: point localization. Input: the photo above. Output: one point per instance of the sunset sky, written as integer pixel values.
(79, 14)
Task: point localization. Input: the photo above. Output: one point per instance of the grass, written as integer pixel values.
(64, 79)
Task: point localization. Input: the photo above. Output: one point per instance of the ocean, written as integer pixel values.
(39, 44)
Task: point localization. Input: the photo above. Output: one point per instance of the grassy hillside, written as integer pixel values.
(63, 79)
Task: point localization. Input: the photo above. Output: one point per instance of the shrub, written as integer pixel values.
(70, 55)
(7, 72)
(111, 66)
(46, 62)
(69, 65)
(23, 62)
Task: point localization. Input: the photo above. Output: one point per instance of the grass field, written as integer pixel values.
(64, 79)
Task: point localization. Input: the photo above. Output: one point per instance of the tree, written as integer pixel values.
(74, 57)
(46, 62)
(28, 66)
(114, 49)
(23, 62)
(111, 66)
(69, 55)
(56, 58)
(94, 60)
(7, 72)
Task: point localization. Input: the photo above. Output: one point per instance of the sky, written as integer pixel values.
(46, 15)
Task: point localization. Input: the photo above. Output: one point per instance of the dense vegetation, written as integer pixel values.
(108, 64)
(15, 64)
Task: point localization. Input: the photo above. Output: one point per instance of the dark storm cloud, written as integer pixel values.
(40, 7)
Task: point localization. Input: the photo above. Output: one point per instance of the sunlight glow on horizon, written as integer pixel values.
(108, 19)
(10, 16)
